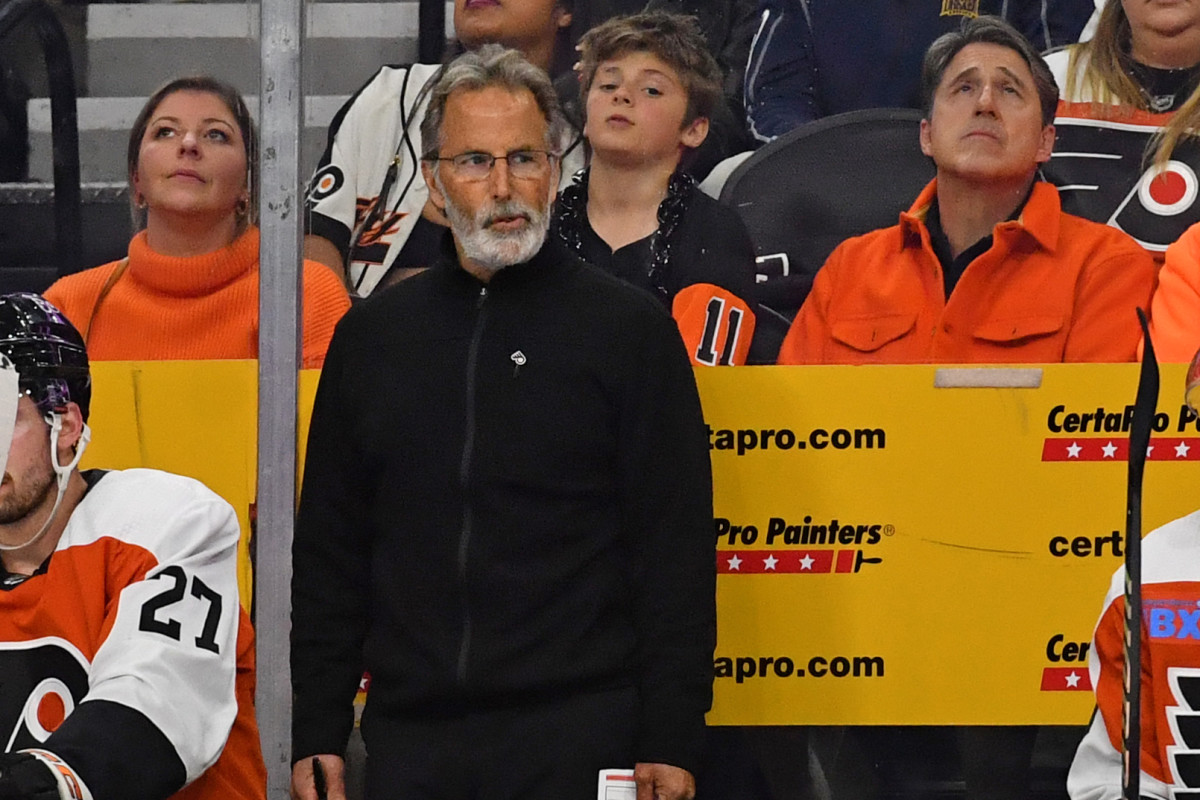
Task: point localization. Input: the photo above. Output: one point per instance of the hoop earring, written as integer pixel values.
(139, 200)
(242, 209)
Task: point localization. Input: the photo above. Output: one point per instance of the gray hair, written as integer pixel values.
(986, 30)
(488, 66)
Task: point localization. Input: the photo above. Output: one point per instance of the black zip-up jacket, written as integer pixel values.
(507, 498)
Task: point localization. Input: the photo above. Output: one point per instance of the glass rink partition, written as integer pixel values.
(895, 545)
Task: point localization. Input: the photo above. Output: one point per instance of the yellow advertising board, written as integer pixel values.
(888, 551)
(196, 418)
(892, 552)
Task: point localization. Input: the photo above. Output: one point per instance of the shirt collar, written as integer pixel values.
(1038, 218)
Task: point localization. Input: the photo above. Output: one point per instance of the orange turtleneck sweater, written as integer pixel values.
(198, 307)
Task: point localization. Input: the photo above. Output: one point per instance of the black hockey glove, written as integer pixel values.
(23, 777)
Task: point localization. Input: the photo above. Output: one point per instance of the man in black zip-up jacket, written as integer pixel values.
(506, 515)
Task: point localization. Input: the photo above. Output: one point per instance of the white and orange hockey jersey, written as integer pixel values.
(1170, 675)
(127, 655)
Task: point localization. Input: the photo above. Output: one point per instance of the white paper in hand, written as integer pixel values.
(616, 784)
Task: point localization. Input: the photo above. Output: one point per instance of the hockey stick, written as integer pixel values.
(1144, 408)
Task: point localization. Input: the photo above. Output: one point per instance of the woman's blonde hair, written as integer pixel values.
(1106, 77)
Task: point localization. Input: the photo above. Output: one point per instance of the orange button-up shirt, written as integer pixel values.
(1051, 288)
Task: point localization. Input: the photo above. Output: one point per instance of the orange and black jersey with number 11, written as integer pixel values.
(699, 264)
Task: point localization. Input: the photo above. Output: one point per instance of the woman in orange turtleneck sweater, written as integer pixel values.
(189, 287)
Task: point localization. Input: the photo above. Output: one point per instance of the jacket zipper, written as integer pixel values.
(464, 475)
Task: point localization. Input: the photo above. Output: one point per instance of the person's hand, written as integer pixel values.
(663, 782)
(303, 786)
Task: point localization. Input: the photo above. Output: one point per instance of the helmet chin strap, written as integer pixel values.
(62, 473)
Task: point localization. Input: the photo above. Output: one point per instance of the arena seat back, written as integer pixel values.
(804, 193)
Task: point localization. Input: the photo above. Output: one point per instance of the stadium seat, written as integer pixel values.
(807, 191)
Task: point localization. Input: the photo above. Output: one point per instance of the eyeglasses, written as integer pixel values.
(522, 164)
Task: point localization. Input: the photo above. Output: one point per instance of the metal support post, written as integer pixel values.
(280, 116)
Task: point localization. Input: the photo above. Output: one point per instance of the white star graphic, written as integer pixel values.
(1181, 450)
(1109, 449)
(806, 562)
(1073, 680)
(735, 562)
(1149, 450)
(770, 562)
(1073, 450)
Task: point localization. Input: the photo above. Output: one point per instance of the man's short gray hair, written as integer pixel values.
(488, 66)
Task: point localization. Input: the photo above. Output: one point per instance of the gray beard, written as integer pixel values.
(494, 250)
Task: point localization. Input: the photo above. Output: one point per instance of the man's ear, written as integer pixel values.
(435, 195)
(926, 139)
(694, 133)
(1046, 144)
(71, 429)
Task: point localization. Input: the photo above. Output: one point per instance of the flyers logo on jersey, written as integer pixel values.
(1103, 173)
(1184, 721)
(960, 8)
(324, 183)
(43, 681)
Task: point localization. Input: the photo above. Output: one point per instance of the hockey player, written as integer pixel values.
(127, 663)
(1170, 673)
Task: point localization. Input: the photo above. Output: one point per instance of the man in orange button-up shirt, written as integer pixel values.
(985, 266)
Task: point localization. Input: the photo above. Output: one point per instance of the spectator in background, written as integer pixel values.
(539, 29)
(1169, 673)
(727, 26)
(1131, 100)
(189, 286)
(368, 215)
(814, 58)
(1175, 309)
(650, 87)
(535, 599)
(984, 267)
